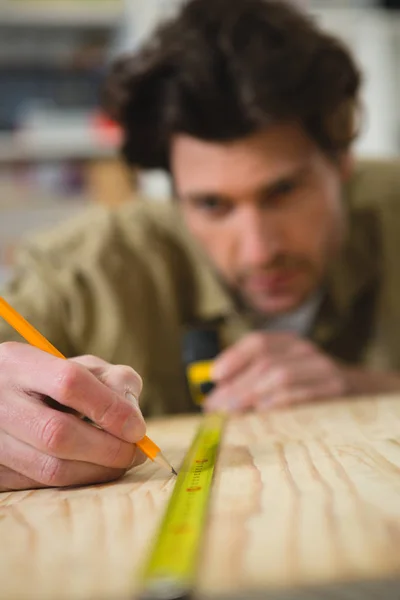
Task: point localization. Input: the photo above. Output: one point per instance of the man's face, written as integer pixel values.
(266, 209)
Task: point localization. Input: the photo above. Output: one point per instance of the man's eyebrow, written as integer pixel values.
(263, 189)
(268, 189)
(201, 196)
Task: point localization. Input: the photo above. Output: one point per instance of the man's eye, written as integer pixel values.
(284, 189)
(280, 193)
(212, 205)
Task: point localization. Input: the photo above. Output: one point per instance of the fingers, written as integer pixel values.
(40, 446)
(235, 394)
(73, 385)
(266, 384)
(47, 470)
(62, 435)
(297, 395)
(254, 346)
(140, 458)
(294, 372)
(120, 378)
(11, 481)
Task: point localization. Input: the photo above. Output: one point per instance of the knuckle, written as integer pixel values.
(51, 471)
(89, 357)
(54, 434)
(122, 379)
(128, 376)
(88, 360)
(67, 380)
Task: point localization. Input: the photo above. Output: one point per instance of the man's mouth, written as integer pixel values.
(272, 282)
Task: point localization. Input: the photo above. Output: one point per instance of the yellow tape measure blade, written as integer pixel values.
(171, 569)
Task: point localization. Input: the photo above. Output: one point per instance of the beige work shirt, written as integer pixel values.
(124, 284)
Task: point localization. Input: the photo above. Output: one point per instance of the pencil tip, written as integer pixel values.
(173, 471)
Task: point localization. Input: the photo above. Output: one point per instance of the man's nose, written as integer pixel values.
(260, 237)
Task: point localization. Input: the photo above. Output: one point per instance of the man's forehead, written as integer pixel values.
(280, 138)
(238, 183)
(255, 162)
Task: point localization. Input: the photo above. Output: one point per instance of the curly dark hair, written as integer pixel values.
(223, 69)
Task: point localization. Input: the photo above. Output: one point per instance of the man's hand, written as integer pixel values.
(274, 369)
(41, 446)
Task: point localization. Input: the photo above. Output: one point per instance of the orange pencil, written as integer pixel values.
(33, 337)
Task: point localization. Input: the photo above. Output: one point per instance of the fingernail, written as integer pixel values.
(132, 428)
(133, 423)
(134, 459)
(129, 396)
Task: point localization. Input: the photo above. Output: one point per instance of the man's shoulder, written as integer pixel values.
(375, 184)
(138, 224)
(150, 221)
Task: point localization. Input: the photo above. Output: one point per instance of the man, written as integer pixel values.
(273, 239)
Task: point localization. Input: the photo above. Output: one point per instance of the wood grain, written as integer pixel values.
(306, 504)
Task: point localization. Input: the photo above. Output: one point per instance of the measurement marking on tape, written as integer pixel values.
(171, 569)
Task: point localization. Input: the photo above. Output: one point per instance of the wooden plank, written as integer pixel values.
(88, 542)
(306, 504)
(306, 497)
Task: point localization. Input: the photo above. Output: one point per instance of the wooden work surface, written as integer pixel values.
(303, 497)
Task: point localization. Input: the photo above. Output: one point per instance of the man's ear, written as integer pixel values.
(346, 166)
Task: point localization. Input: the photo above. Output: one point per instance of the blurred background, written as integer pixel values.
(58, 152)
